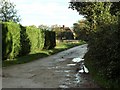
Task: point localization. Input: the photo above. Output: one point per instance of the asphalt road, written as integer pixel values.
(55, 71)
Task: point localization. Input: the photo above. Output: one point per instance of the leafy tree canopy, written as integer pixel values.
(97, 13)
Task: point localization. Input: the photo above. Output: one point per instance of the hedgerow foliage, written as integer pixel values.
(10, 40)
(103, 56)
(50, 39)
(19, 41)
(24, 42)
(36, 37)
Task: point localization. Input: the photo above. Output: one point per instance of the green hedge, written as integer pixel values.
(36, 37)
(24, 42)
(50, 39)
(10, 40)
(19, 41)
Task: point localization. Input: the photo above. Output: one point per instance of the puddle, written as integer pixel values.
(68, 75)
(70, 79)
(86, 70)
(81, 61)
(58, 71)
(67, 83)
(71, 64)
(60, 60)
(66, 71)
(81, 71)
(63, 86)
(67, 79)
(77, 59)
(56, 67)
(77, 78)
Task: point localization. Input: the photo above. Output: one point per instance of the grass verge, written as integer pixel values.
(61, 46)
(102, 81)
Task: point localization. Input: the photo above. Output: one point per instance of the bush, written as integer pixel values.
(10, 40)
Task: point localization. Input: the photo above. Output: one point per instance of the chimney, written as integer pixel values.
(63, 26)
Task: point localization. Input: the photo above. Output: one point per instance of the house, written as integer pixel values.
(67, 33)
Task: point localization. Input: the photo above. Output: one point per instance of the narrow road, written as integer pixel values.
(56, 71)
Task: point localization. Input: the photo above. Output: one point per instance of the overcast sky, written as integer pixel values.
(46, 12)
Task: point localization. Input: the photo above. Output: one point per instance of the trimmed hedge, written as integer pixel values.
(40, 39)
(19, 41)
(36, 37)
(10, 40)
(24, 42)
(50, 39)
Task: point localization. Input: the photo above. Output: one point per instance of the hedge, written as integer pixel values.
(40, 39)
(24, 42)
(103, 56)
(36, 37)
(10, 40)
(19, 41)
(50, 39)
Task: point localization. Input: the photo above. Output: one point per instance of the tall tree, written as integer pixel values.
(8, 11)
(81, 29)
(97, 13)
(103, 56)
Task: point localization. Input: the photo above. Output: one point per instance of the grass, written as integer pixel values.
(61, 46)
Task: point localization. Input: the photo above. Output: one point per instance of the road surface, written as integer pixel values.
(56, 71)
